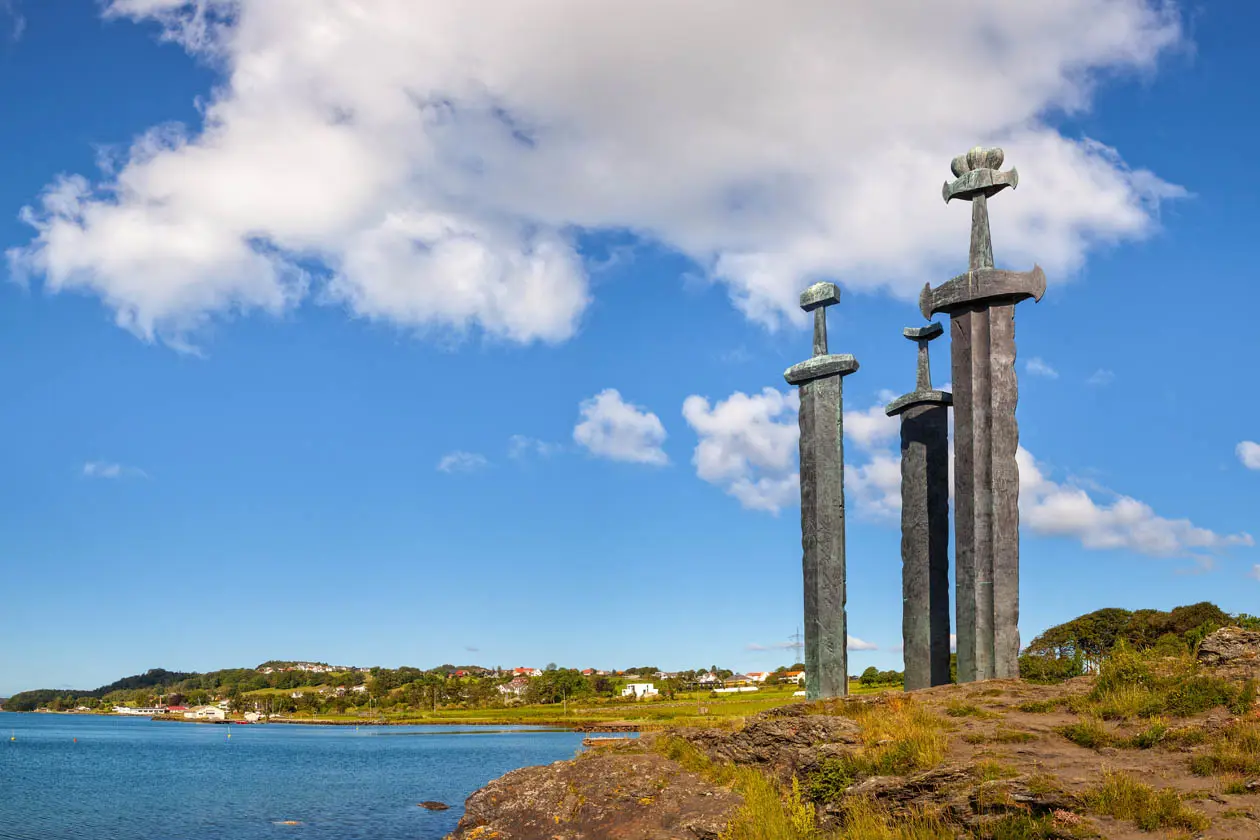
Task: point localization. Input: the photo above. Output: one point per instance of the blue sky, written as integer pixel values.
(329, 371)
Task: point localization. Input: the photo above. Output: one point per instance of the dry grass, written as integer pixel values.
(899, 737)
(1123, 797)
(1234, 751)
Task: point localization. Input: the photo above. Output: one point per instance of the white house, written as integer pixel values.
(709, 678)
(639, 690)
(359, 689)
(515, 688)
(206, 713)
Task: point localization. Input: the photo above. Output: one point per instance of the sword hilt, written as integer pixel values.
(921, 336)
(816, 299)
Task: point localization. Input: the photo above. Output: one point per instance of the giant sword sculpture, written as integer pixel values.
(822, 502)
(981, 307)
(924, 416)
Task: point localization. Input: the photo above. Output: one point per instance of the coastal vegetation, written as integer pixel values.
(469, 694)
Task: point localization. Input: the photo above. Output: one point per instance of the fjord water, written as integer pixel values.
(136, 779)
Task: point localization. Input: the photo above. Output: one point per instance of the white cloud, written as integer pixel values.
(876, 485)
(614, 429)
(857, 644)
(953, 643)
(1038, 366)
(871, 428)
(458, 461)
(519, 446)
(1101, 377)
(748, 446)
(1249, 454)
(1255, 572)
(108, 469)
(1053, 509)
(433, 160)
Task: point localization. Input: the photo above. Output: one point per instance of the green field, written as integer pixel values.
(698, 709)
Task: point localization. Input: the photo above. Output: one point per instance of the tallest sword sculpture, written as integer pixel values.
(981, 308)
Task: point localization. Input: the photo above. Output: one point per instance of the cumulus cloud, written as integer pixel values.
(1038, 366)
(1254, 574)
(109, 469)
(1249, 454)
(1054, 509)
(458, 461)
(857, 644)
(1101, 377)
(749, 444)
(428, 163)
(614, 429)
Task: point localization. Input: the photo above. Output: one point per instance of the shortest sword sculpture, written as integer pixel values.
(822, 502)
(924, 521)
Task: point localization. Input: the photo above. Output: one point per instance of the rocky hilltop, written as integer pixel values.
(1155, 745)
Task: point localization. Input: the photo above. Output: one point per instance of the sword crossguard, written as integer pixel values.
(976, 173)
(816, 299)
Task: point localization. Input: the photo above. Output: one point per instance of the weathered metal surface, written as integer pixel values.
(983, 285)
(822, 503)
(820, 295)
(964, 497)
(820, 366)
(1005, 477)
(924, 522)
(925, 545)
(822, 538)
(981, 306)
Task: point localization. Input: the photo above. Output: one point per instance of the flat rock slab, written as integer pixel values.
(785, 741)
(607, 795)
(434, 806)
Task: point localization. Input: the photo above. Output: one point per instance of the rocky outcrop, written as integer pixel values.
(786, 741)
(1233, 651)
(611, 795)
(957, 793)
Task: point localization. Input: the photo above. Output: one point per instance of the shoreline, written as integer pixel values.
(551, 724)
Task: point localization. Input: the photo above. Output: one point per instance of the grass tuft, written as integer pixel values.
(899, 737)
(1123, 797)
(1234, 751)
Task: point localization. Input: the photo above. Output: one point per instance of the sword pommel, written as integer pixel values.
(976, 173)
(820, 294)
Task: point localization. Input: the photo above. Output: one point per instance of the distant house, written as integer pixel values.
(758, 676)
(639, 690)
(296, 694)
(206, 713)
(515, 688)
(526, 672)
(588, 672)
(709, 679)
(795, 676)
(735, 680)
(359, 689)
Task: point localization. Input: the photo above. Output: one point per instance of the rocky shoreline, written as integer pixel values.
(1012, 755)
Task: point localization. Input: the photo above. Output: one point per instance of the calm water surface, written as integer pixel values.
(135, 779)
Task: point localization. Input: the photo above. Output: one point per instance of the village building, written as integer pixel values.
(639, 690)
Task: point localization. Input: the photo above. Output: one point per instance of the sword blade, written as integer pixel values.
(1005, 437)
